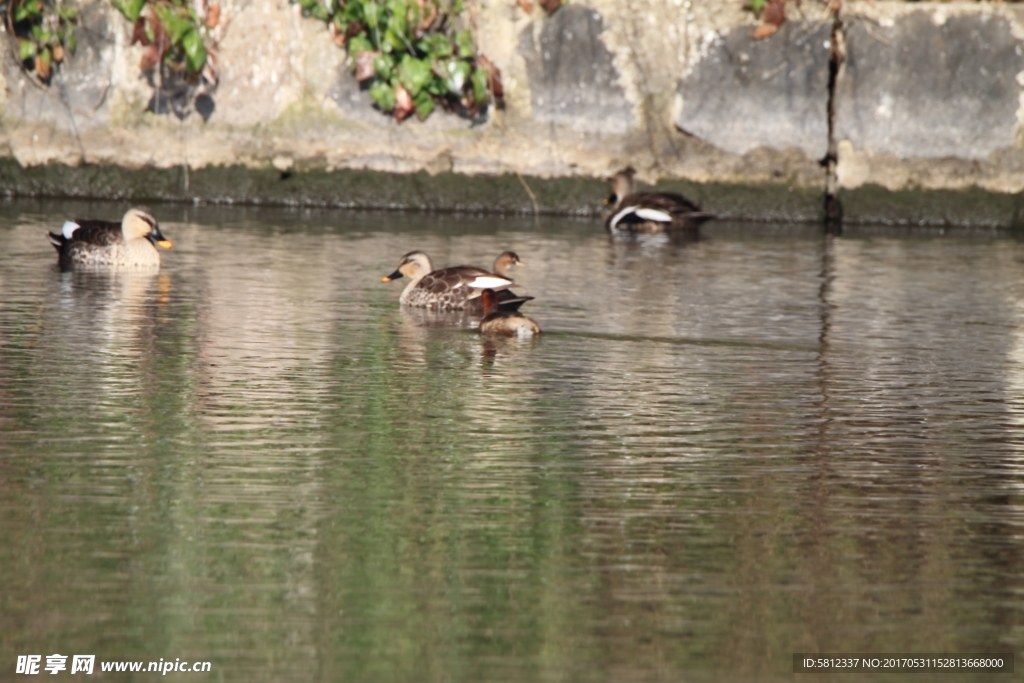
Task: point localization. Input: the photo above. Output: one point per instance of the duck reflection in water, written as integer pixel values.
(118, 315)
(656, 250)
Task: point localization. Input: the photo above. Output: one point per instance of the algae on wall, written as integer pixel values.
(679, 90)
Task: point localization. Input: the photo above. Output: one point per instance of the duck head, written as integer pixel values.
(413, 265)
(506, 260)
(622, 185)
(139, 223)
(488, 301)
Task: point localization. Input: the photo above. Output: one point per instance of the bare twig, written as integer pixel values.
(533, 197)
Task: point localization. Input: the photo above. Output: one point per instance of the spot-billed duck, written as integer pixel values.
(649, 211)
(454, 288)
(108, 244)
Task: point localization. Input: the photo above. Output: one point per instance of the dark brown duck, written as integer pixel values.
(634, 211)
(504, 322)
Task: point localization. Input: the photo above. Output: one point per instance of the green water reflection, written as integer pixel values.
(718, 454)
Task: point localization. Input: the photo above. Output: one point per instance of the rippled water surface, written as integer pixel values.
(718, 453)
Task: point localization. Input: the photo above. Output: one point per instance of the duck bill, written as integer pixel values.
(394, 276)
(158, 237)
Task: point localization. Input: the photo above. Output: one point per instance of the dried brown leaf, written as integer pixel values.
(139, 32)
(404, 106)
(150, 58)
(764, 31)
(550, 6)
(58, 53)
(213, 15)
(428, 14)
(337, 36)
(354, 28)
(161, 38)
(774, 12)
(42, 68)
(493, 77)
(364, 66)
(525, 5)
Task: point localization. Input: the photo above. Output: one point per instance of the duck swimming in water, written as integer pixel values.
(506, 260)
(504, 322)
(456, 287)
(108, 244)
(649, 211)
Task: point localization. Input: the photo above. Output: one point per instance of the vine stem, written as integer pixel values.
(533, 197)
(9, 20)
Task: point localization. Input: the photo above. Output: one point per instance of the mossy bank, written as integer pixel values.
(683, 91)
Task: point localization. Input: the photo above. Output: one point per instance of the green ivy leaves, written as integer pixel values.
(45, 32)
(411, 54)
(131, 9)
(171, 30)
(414, 74)
(464, 41)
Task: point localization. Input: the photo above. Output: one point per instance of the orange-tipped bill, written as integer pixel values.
(156, 236)
(394, 276)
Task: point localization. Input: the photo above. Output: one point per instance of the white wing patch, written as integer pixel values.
(654, 215)
(647, 214)
(490, 282)
(69, 229)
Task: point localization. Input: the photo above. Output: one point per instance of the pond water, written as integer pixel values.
(719, 453)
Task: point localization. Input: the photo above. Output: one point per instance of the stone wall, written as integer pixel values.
(907, 112)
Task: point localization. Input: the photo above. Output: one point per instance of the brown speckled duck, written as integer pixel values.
(454, 288)
(504, 322)
(108, 244)
(649, 211)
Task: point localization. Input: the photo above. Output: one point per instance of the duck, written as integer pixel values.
(649, 211)
(132, 243)
(504, 322)
(506, 260)
(457, 287)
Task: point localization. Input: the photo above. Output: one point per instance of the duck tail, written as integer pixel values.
(513, 303)
(698, 217)
(56, 240)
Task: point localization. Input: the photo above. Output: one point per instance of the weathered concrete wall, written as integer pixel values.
(930, 97)
(925, 123)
